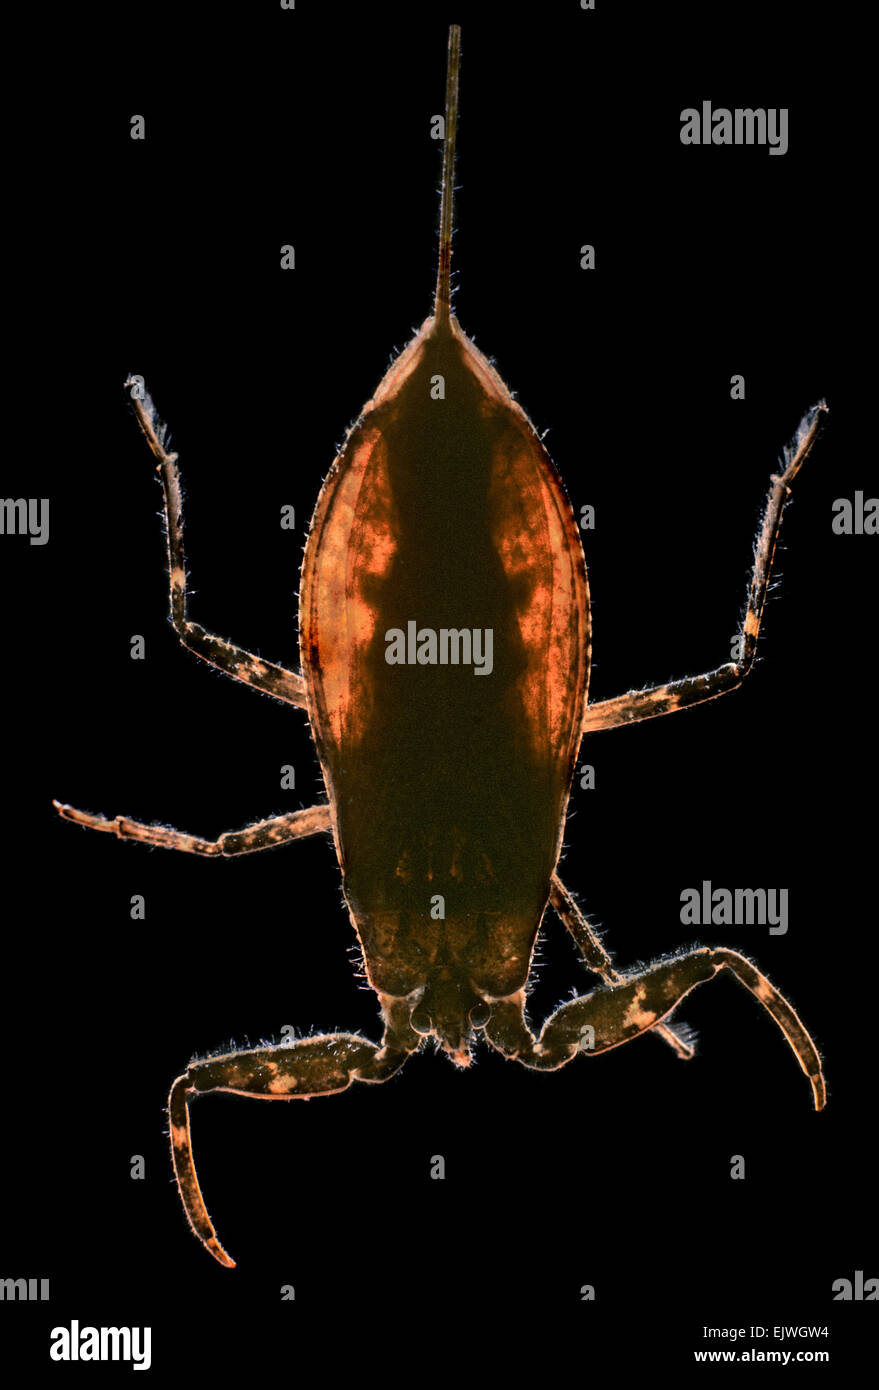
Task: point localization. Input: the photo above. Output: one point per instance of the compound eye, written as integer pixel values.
(421, 1021)
(480, 1014)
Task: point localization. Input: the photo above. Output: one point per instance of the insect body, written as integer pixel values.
(444, 644)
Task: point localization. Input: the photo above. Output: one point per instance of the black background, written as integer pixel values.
(161, 257)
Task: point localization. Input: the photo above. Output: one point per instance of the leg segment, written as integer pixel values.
(264, 834)
(318, 1066)
(596, 959)
(624, 1011)
(664, 699)
(244, 666)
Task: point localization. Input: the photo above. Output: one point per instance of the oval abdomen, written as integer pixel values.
(444, 636)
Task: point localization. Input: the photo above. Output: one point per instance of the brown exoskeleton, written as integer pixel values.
(442, 525)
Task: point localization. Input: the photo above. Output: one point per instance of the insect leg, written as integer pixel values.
(318, 1066)
(596, 959)
(665, 699)
(244, 666)
(612, 1016)
(261, 835)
